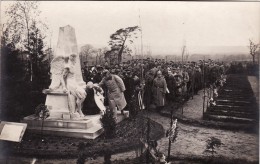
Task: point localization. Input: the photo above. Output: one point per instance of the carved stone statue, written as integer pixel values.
(76, 93)
(67, 90)
(63, 80)
(57, 69)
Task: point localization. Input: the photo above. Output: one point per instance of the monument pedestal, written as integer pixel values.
(88, 127)
(57, 103)
(60, 124)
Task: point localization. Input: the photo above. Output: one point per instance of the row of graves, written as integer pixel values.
(231, 101)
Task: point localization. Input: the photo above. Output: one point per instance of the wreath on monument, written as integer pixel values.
(42, 111)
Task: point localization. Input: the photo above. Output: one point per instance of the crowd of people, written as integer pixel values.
(153, 83)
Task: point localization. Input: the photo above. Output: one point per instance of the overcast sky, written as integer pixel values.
(165, 24)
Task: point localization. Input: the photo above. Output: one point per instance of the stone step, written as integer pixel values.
(90, 133)
(33, 121)
(57, 114)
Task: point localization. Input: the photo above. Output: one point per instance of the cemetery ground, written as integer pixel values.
(239, 144)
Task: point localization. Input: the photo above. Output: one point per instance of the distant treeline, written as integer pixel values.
(197, 57)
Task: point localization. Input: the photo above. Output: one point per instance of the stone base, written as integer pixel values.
(57, 103)
(88, 127)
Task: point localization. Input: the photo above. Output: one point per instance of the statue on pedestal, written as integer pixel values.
(66, 94)
(67, 91)
(63, 80)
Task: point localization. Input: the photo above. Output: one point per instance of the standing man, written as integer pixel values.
(159, 91)
(129, 84)
(98, 76)
(86, 71)
(186, 79)
(116, 88)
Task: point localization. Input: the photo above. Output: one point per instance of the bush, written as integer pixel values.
(109, 124)
(212, 144)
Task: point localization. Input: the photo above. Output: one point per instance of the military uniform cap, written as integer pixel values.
(113, 70)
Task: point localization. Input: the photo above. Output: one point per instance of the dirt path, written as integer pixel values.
(194, 107)
(192, 141)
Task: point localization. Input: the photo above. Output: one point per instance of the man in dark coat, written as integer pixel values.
(98, 76)
(148, 88)
(129, 85)
(170, 85)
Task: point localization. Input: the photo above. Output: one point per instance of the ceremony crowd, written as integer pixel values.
(153, 83)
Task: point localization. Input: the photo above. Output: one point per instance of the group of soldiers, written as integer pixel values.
(183, 79)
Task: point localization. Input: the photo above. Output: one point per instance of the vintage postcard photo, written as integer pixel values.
(132, 82)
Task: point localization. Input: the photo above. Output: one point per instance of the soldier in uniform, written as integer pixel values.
(190, 84)
(149, 77)
(159, 91)
(178, 82)
(171, 86)
(129, 85)
(116, 88)
(197, 79)
(186, 78)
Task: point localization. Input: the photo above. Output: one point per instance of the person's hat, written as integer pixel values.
(99, 68)
(113, 70)
(105, 71)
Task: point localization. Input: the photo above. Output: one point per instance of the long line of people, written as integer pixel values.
(155, 83)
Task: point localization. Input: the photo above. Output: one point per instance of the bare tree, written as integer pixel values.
(21, 17)
(100, 54)
(86, 51)
(187, 54)
(253, 49)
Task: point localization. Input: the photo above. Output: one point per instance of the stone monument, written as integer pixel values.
(60, 122)
(57, 100)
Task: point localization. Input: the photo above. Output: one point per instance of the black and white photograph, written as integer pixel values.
(129, 82)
